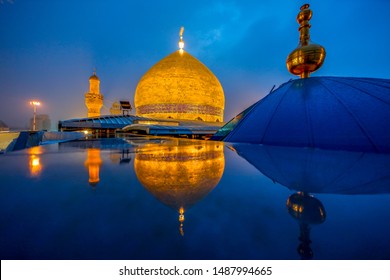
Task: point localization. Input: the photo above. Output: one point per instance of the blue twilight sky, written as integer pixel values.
(49, 48)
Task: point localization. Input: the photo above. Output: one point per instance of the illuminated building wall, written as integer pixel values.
(116, 108)
(42, 122)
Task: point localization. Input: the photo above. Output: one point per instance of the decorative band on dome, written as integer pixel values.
(181, 156)
(179, 108)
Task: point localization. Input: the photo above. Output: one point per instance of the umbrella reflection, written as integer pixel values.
(320, 171)
(309, 171)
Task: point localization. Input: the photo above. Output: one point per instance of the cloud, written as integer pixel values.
(218, 17)
(210, 37)
(6, 1)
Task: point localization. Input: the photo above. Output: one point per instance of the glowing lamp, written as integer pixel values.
(35, 103)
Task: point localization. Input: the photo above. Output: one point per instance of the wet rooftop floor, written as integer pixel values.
(162, 198)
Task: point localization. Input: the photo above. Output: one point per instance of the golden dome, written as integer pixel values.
(180, 87)
(94, 77)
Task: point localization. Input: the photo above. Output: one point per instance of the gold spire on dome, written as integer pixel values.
(181, 42)
(307, 57)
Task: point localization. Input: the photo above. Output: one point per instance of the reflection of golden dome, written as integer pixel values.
(180, 87)
(179, 174)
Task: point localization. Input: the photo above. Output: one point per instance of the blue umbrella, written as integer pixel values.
(322, 112)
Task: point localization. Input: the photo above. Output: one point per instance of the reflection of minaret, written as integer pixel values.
(93, 98)
(93, 164)
(307, 210)
(180, 173)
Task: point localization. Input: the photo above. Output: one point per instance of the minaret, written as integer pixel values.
(93, 98)
(307, 57)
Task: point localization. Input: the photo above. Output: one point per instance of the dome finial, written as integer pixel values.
(181, 42)
(307, 57)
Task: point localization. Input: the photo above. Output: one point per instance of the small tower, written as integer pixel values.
(93, 98)
(115, 108)
(307, 57)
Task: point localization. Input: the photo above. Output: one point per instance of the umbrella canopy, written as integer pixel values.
(322, 112)
(320, 171)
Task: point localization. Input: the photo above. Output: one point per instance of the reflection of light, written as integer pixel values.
(86, 132)
(157, 123)
(35, 166)
(34, 162)
(35, 103)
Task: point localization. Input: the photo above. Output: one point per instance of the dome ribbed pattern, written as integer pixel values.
(180, 87)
